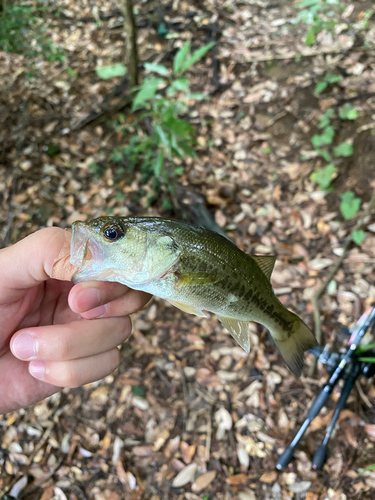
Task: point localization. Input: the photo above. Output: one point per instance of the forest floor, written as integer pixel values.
(188, 415)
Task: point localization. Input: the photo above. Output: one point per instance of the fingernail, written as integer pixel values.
(89, 297)
(97, 312)
(24, 346)
(37, 369)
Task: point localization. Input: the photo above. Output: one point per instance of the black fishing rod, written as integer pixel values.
(346, 365)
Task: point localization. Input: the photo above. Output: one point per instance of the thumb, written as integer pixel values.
(29, 262)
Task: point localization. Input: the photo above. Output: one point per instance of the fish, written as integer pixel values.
(195, 269)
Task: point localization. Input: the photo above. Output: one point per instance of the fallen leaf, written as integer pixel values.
(203, 481)
(269, 477)
(185, 476)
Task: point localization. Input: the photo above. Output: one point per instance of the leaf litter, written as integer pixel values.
(188, 415)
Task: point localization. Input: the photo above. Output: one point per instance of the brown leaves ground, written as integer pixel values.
(188, 415)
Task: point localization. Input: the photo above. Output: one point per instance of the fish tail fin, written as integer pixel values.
(292, 348)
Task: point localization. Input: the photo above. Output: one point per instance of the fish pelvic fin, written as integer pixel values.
(239, 330)
(266, 263)
(293, 347)
(187, 308)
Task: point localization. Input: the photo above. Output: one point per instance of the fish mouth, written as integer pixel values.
(83, 248)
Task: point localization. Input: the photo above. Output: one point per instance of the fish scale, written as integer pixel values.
(195, 269)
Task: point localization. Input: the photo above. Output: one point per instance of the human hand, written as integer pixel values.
(55, 334)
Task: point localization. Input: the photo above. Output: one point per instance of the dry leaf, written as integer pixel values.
(237, 479)
(269, 477)
(203, 481)
(185, 476)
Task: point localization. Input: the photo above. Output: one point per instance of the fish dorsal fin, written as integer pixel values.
(266, 263)
(187, 308)
(239, 330)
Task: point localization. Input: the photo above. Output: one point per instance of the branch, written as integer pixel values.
(131, 53)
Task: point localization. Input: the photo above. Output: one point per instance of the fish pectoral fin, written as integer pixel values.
(187, 308)
(195, 279)
(239, 330)
(266, 263)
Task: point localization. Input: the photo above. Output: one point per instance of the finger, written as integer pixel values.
(18, 388)
(76, 372)
(74, 340)
(29, 262)
(129, 303)
(87, 295)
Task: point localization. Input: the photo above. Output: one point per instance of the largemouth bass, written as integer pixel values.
(193, 268)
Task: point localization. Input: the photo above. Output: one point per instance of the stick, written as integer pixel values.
(131, 42)
(324, 285)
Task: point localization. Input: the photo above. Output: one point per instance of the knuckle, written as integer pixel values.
(69, 377)
(65, 346)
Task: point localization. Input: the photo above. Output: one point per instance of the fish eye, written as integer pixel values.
(113, 233)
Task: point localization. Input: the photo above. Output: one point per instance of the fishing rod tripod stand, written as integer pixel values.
(349, 366)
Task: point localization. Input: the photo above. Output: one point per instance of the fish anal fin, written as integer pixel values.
(187, 308)
(239, 330)
(266, 263)
(293, 347)
(195, 279)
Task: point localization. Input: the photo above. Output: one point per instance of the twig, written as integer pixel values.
(324, 285)
(362, 394)
(44, 479)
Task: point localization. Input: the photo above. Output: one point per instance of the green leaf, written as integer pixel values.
(364, 348)
(310, 37)
(157, 68)
(349, 205)
(320, 86)
(197, 54)
(367, 469)
(159, 163)
(138, 391)
(325, 138)
(180, 84)
(367, 360)
(180, 57)
(106, 72)
(324, 120)
(324, 176)
(332, 78)
(324, 153)
(358, 236)
(146, 92)
(347, 112)
(163, 138)
(343, 149)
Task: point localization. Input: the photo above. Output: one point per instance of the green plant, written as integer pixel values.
(322, 144)
(349, 205)
(318, 15)
(327, 80)
(22, 31)
(324, 176)
(347, 112)
(161, 102)
(106, 72)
